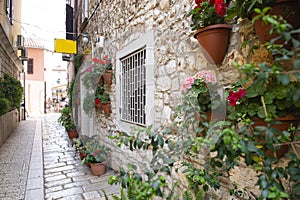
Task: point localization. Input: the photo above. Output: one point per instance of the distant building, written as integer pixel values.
(35, 77)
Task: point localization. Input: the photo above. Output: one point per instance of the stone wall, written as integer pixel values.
(177, 56)
(8, 122)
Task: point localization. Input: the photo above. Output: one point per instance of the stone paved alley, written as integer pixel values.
(38, 161)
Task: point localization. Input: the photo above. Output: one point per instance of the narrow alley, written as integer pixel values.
(38, 161)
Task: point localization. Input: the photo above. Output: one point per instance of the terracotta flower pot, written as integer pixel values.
(82, 155)
(98, 105)
(106, 107)
(107, 77)
(284, 125)
(214, 40)
(98, 169)
(72, 134)
(288, 9)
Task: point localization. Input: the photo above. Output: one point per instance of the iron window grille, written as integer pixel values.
(133, 87)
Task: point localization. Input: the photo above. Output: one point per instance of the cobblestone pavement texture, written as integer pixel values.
(27, 172)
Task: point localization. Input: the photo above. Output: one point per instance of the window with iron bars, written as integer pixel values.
(133, 87)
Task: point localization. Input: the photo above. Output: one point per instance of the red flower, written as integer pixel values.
(107, 62)
(220, 7)
(211, 1)
(101, 62)
(198, 2)
(235, 96)
(95, 59)
(97, 101)
(105, 57)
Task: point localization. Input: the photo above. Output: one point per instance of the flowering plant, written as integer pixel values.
(203, 86)
(95, 71)
(275, 95)
(95, 153)
(208, 12)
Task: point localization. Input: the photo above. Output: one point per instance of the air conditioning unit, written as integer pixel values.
(20, 42)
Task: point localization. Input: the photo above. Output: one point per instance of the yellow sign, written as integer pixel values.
(65, 46)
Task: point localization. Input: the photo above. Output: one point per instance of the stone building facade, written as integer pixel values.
(163, 29)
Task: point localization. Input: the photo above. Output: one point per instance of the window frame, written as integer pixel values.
(10, 10)
(145, 41)
(30, 65)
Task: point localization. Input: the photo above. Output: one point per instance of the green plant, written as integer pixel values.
(104, 98)
(65, 115)
(11, 89)
(208, 12)
(89, 104)
(77, 60)
(272, 89)
(202, 86)
(95, 152)
(4, 106)
(70, 92)
(70, 124)
(99, 91)
(136, 186)
(243, 8)
(271, 94)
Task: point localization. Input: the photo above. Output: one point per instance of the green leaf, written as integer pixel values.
(283, 78)
(160, 141)
(272, 195)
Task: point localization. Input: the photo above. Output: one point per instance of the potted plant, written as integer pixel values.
(70, 126)
(268, 96)
(105, 103)
(97, 156)
(208, 20)
(107, 75)
(99, 91)
(288, 9)
(201, 90)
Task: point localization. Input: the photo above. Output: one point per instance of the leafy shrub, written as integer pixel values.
(4, 106)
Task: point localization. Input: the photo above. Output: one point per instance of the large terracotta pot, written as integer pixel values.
(98, 169)
(214, 40)
(72, 133)
(106, 107)
(107, 77)
(284, 125)
(288, 9)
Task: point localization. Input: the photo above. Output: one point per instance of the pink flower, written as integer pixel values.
(107, 62)
(207, 76)
(105, 57)
(220, 7)
(235, 96)
(101, 62)
(89, 69)
(187, 84)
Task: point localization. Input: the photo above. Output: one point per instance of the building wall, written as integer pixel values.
(177, 56)
(38, 64)
(35, 90)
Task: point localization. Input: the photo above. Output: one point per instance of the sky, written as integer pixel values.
(44, 20)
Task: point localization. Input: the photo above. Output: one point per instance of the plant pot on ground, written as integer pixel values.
(96, 156)
(98, 169)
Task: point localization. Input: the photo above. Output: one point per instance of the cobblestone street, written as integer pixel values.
(27, 172)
